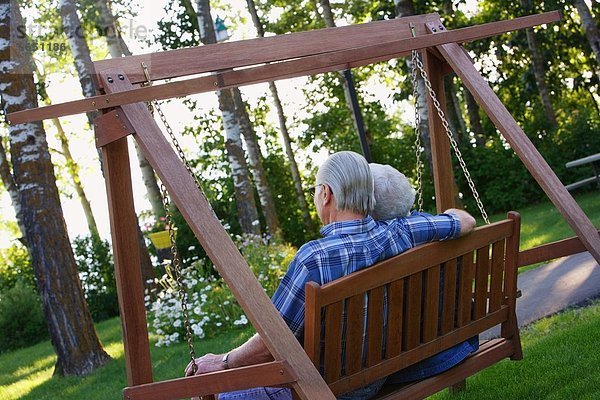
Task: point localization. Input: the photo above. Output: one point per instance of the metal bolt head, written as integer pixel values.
(110, 79)
(121, 77)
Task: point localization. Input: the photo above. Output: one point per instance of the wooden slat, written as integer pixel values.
(498, 350)
(412, 315)
(449, 299)
(354, 332)
(333, 342)
(523, 147)
(414, 260)
(220, 248)
(550, 251)
(394, 323)
(482, 271)
(431, 303)
(497, 275)
(312, 326)
(126, 255)
(388, 366)
(270, 72)
(268, 374)
(375, 326)
(465, 290)
(510, 328)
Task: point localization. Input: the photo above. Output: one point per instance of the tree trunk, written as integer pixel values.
(347, 81)
(71, 165)
(72, 333)
(9, 183)
(406, 8)
(255, 159)
(244, 194)
(455, 115)
(591, 30)
(474, 119)
(287, 141)
(538, 69)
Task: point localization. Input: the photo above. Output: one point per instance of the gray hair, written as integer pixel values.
(394, 196)
(348, 175)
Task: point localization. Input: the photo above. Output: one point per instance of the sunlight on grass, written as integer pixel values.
(23, 387)
(38, 365)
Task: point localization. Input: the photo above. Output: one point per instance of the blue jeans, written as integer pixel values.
(272, 393)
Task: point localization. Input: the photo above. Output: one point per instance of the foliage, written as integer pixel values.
(15, 266)
(212, 307)
(96, 272)
(21, 319)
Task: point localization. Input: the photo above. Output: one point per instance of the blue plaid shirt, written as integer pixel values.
(349, 246)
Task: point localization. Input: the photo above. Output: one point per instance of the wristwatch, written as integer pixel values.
(225, 360)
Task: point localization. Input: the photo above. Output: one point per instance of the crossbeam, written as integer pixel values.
(327, 61)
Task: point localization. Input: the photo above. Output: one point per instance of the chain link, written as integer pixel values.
(418, 146)
(453, 142)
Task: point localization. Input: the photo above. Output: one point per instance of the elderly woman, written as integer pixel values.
(352, 240)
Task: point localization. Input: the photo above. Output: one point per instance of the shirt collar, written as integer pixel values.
(349, 227)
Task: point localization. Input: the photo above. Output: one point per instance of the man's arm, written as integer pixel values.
(467, 222)
(252, 352)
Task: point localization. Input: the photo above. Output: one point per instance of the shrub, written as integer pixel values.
(97, 274)
(212, 306)
(15, 266)
(22, 322)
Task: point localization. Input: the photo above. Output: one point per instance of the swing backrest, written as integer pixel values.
(379, 320)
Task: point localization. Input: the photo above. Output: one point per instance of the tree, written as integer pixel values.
(591, 30)
(538, 68)
(72, 333)
(246, 205)
(287, 141)
(9, 183)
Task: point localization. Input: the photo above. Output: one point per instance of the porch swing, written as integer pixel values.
(405, 277)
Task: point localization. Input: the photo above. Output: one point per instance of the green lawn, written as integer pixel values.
(561, 356)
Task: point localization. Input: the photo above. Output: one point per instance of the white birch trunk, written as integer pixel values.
(591, 30)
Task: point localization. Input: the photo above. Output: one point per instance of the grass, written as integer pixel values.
(560, 352)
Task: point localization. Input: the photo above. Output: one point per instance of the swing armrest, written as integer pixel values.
(275, 373)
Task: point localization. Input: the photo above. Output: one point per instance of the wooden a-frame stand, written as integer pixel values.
(270, 59)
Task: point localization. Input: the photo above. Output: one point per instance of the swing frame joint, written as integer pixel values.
(111, 127)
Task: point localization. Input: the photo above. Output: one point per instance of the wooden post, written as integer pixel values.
(201, 218)
(126, 253)
(443, 175)
(520, 143)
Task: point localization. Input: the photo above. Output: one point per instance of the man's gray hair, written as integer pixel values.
(394, 196)
(348, 175)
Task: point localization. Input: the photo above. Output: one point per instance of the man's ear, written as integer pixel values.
(327, 194)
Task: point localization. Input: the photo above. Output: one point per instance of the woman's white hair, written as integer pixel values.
(348, 175)
(394, 196)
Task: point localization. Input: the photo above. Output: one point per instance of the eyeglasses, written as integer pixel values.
(313, 189)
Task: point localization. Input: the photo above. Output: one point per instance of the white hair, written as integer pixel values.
(348, 175)
(394, 196)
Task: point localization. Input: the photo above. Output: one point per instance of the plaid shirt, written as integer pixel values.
(349, 246)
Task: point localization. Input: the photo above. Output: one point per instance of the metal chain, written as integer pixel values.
(176, 261)
(453, 142)
(176, 276)
(418, 146)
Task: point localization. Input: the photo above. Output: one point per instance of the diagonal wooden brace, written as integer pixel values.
(111, 126)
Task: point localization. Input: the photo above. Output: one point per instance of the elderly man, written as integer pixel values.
(352, 240)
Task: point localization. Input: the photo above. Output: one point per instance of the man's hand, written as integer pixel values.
(207, 363)
(467, 222)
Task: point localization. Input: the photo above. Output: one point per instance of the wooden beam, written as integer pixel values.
(323, 62)
(268, 374)
(110, 127)
(550, 251)
(230, 264)
(443, 174)
(520, 143)
(126, 254)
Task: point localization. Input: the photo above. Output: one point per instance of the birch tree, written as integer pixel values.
(78, 350)
(11, 187)
(287, 140)
(244, 195)
(591, 30)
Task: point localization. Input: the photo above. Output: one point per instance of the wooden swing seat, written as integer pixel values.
(427, 312)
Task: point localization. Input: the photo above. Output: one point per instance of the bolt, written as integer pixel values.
(107, 101)
(109, 79)
(433, 29)
(281, 372)
(94, 103)
(117, 115)
(441, 28)
(216, 83)
(121, 77)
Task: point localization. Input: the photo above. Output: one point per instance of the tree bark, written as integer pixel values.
(244, 194)
(474, 119)
(406, 8)
(455, 116)
(9, 183)
(255, 160)
(72, 333)
(287, 141)
(539, 71)
(591, 30)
